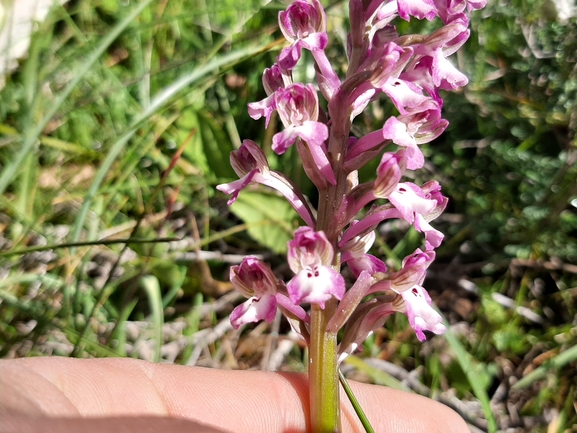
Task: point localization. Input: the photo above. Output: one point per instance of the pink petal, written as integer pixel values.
(421, 315)
(253, 310)
(316, 286)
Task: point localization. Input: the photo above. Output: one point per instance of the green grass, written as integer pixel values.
(118, 124)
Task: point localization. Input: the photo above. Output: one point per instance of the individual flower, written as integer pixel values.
(256, 281)
(298, 109)
(304, 25)
(305, 22)
(421, 126)
(413, 270)
(273, 78)
(422, 316)
(250, 164)
(310, 257)
(355, 255)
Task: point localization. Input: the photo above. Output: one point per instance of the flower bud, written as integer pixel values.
(272, 79)
(389, 173)
(247, 158)
(413, 271)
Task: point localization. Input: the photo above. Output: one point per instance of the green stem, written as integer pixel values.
(323, 367)
(323, 376)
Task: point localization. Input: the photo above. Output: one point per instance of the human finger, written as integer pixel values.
(239, 401)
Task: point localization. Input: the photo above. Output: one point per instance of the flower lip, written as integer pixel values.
(422, 316)
(310, 257)
(272, 79)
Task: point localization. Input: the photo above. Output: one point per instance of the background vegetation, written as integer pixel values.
(117, 125)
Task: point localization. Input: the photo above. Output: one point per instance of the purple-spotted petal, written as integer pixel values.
(404, 94)
(254, 310)
(409, 199)
(422, 316)
(316, 285)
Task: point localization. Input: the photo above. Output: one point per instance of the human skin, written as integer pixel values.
(62, 395)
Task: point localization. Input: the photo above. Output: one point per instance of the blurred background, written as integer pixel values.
(116, 122)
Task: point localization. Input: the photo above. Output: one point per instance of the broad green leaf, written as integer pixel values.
(270, 218)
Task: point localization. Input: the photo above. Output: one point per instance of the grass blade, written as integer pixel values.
(556, 363)
(356, 405)
(156, 104)
(151, 287)
(32, 135)
(471, 368)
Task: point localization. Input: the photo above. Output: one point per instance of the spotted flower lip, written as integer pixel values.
(256, 281)
(310, 257)
(422, 316)
(409, 199)
(304, 25)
